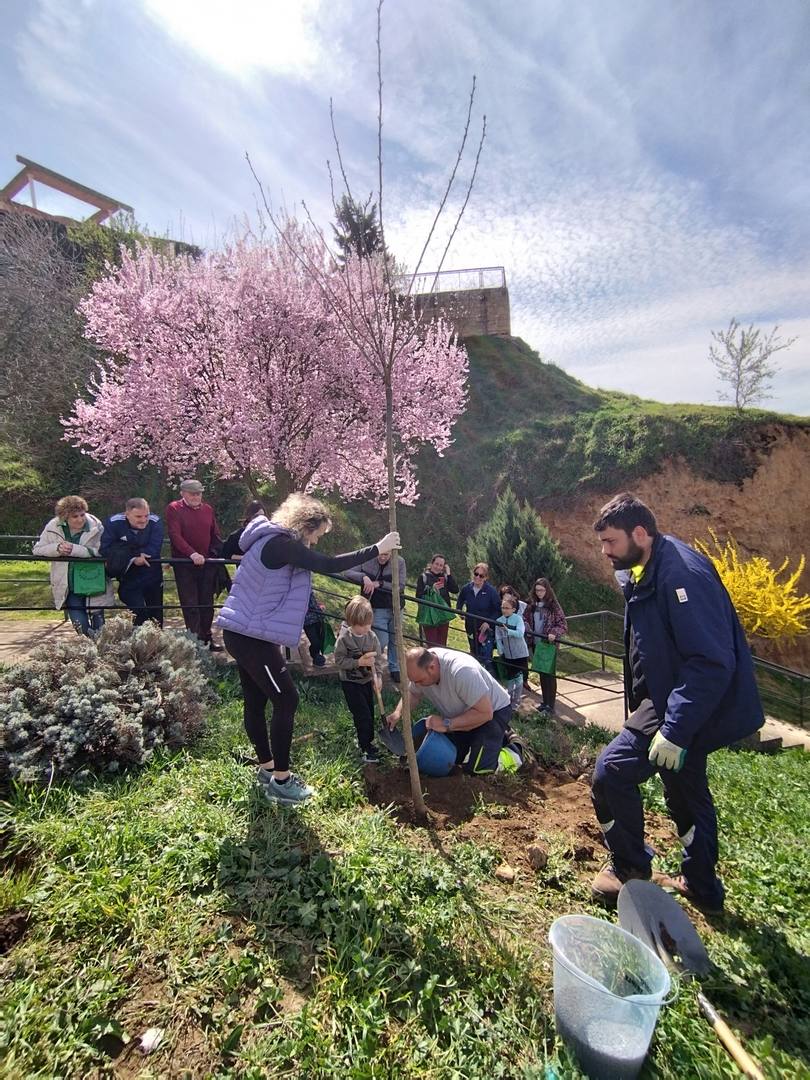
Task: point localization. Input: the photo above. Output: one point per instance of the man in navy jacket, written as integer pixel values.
(129, 543)
(689, 680)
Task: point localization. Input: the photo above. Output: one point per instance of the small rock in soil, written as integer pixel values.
(504, 872)
(537, 856)
(581, 853)
(12, 928)
(151, 1039)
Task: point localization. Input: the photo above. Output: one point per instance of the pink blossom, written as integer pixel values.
(239, 361)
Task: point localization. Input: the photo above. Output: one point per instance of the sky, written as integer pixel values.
(645, 174)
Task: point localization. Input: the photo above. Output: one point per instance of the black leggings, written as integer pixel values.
(264, 677)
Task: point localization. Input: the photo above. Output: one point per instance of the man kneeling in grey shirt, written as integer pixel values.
(473, 710)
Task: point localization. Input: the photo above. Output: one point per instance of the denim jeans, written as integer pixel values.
(383, 627)
(84, 621)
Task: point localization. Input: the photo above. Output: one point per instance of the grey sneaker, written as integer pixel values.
(293, 790)
(371, 756)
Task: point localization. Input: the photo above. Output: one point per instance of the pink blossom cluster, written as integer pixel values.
(265, 362)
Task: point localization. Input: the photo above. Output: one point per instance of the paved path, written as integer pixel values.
(602, 703)
(594, 698)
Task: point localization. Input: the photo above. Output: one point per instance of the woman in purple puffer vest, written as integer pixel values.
(264, 611)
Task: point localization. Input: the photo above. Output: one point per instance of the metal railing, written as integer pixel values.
(482, 277)
(785, 692)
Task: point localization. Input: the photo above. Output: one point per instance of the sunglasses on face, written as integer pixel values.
(479, 575)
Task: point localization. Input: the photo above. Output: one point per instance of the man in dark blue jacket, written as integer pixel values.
(129, 543)
(483, 607)
(689, 680)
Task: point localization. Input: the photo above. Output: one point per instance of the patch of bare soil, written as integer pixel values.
(510, 815)
(12, 929)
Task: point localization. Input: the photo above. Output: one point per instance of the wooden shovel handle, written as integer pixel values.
(745, 1062)
(378, 695)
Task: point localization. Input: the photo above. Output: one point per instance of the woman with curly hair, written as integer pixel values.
(265, 611)
(76, 532)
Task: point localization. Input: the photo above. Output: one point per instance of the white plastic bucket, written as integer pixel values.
(608, 990)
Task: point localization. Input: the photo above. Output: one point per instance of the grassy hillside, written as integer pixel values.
(528, 423)
(532, 425)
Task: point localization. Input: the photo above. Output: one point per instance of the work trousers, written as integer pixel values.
(195, 588)
(360, 699)
(144, 601)
(264, 676)
(483, 743)
(620, 769)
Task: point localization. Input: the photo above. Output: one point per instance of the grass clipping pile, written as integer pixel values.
(101, 704)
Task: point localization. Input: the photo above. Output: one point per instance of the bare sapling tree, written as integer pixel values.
(396, 345)
(742, 358)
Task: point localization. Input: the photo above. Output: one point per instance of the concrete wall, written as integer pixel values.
(472, 311)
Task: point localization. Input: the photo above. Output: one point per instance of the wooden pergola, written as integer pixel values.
(31, 171)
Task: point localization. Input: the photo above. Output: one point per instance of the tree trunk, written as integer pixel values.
(420, 812)
(283, 483)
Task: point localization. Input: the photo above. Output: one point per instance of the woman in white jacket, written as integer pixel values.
(74, 532)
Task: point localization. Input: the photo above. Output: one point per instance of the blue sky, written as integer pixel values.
(645, 175)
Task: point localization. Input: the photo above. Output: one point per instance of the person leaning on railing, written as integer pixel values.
(82, 590)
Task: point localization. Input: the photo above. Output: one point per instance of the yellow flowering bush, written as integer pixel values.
(767, 606)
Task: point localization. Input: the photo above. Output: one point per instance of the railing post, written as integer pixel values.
(602, 628)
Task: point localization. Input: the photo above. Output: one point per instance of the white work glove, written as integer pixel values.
(388, 543)
(666, 754)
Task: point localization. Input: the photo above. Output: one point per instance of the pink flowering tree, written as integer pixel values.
(236, 361)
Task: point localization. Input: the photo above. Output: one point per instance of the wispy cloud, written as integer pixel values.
(644, 178)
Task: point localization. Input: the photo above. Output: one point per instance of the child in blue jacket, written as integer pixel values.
(510, 638)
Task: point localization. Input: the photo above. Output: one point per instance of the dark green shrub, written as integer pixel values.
(517, 546)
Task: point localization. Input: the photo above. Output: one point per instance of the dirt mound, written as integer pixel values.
(508, 814)
(759, 513)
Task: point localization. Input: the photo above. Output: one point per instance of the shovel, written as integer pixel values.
(391, 739)
(657, 919)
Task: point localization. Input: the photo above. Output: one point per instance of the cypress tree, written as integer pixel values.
(517, 546)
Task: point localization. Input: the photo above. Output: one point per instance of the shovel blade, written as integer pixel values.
(391, 740)
(657, 919)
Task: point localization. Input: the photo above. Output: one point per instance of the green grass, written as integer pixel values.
(332, 942)
(25, 584)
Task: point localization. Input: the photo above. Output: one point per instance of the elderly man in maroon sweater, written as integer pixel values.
(193, 532)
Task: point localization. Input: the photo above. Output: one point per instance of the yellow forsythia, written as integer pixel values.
(767, 607)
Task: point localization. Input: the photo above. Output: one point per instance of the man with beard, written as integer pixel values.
(689, 680)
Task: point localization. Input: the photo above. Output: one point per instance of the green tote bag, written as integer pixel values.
(89, 578)
(544, 660)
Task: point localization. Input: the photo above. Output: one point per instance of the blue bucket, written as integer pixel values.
(437, 754)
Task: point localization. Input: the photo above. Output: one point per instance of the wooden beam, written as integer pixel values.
(71, 187)
(15, 185)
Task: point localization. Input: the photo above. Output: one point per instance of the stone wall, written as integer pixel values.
(472, 311)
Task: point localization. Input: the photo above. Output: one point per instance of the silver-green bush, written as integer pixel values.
(102, 703)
